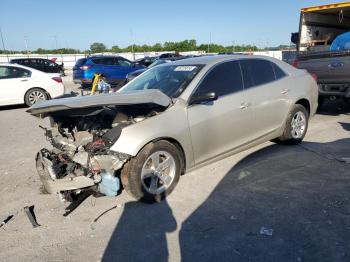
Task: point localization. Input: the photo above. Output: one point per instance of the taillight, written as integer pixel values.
(314, 76)
(85, 67)
(296, 63)
(57, 79)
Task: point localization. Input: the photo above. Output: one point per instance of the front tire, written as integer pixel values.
(35, 95)
(296, 126)
(153, 174)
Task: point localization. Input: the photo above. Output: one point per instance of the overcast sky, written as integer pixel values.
(79, 23)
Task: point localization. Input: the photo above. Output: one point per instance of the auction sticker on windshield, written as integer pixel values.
(185, 68)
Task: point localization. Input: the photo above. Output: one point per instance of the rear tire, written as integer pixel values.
(35, 95)
(153, 174)
(296, 126)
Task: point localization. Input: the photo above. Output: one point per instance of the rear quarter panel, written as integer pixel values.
(303, 86)
(45, 82)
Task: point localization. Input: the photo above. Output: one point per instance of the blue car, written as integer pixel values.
(113, 68)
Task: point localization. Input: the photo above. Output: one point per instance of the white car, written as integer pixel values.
(20, 84)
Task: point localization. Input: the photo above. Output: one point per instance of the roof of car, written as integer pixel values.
(30, 58)
(102, 56)
(33, 70)
(16, 65)
(214, 59)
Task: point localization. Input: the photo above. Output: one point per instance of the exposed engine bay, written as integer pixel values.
(81, 158)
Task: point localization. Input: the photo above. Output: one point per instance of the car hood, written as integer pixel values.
(151, 96)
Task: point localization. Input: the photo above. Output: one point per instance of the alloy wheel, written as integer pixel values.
(158, 172)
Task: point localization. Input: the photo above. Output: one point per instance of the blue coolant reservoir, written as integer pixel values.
(109, 184)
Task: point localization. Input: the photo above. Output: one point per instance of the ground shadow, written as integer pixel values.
(334, 108)
(141, 233)
(345, 126)
(300, 192)
(11, 107)
(19, 106)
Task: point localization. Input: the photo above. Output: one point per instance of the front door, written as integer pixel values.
(219, 126)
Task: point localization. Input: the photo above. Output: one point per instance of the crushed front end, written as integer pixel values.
(82, 130)
(80, 159)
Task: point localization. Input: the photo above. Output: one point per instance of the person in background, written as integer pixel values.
(103, 86)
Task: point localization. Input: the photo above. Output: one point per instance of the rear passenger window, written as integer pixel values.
(80, 61)
(105, 61)
(98, 61)
(223, 79)
(278, 71)
(20, 72)
(257, 72)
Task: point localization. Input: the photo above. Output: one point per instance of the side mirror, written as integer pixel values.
(204, 98)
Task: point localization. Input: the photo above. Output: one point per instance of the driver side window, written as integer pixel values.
(223, 79)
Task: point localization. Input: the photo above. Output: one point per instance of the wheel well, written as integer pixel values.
(178, 145)
(47, 94)
(305, 103)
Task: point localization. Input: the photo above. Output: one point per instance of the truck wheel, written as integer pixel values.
(153, 174)
(35, 95)
(296, 126)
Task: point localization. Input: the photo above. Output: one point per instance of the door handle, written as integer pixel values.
(285, 91)
(24, 80)
(244, 105)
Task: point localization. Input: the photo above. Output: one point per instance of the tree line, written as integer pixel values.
(180, 46)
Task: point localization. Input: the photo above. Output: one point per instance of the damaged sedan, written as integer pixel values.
(170, 120)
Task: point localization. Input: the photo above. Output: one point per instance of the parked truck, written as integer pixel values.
(318, 28)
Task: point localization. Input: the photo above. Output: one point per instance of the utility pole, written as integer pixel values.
(233, 46)
(26, 45)
(3, 45)
(132, 44)
(209, 43)
(56, 46)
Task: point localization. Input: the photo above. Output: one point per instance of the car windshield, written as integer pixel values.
(170, 79)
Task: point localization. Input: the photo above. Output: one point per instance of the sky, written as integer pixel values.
(79, 23)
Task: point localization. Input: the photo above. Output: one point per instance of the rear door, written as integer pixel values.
(14, 83)
(36, 63)
(266, 91)
(125, 67)
(218, 127)
(111, 68)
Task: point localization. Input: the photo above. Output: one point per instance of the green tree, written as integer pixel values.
(116, 49)
(98, 47)
(157, 47)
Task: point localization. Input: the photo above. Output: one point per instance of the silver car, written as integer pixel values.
(170, 120)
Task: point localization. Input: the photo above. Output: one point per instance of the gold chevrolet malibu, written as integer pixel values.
(171, 119)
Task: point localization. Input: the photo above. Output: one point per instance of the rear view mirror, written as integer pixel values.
(203, 98)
